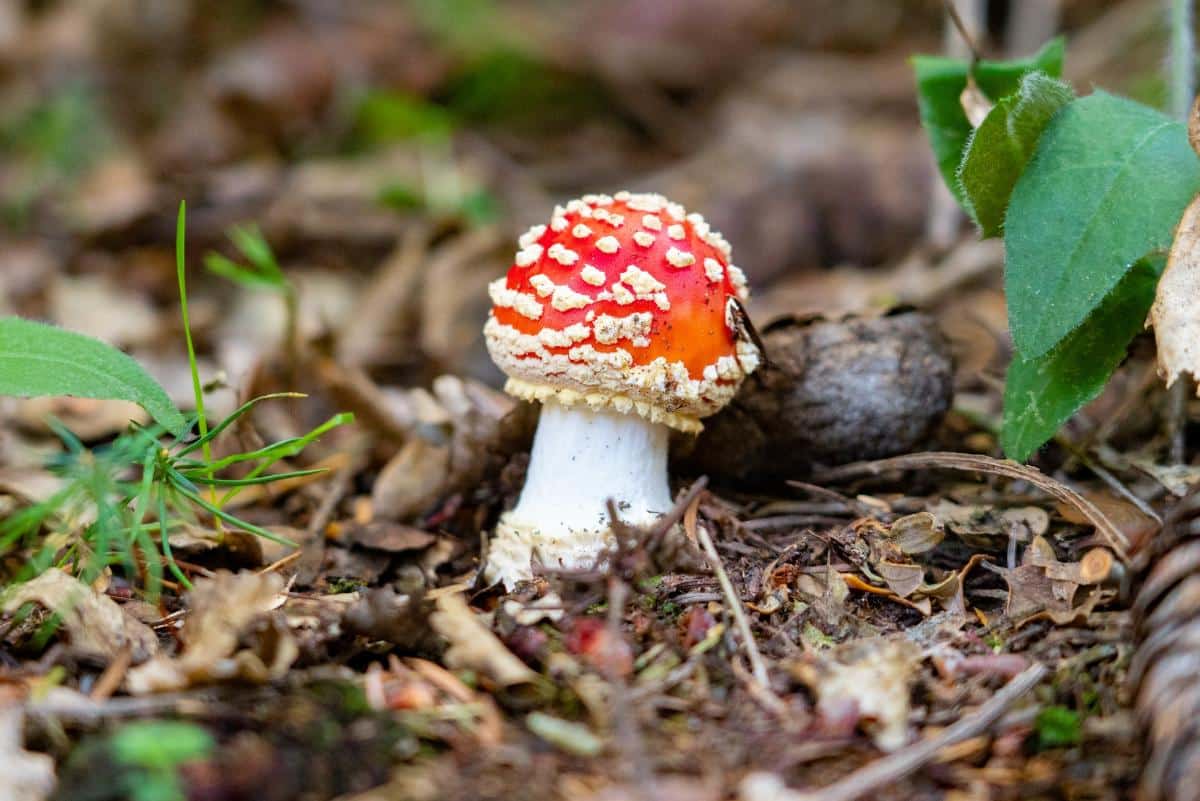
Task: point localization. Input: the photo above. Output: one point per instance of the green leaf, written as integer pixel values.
(1004, 142)
(1040, 394)
(1107, 185)
(940, 83)
(263, 272)
(42, 360)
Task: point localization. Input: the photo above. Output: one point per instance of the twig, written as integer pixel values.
(963, 31)
(1000, 467)
(1107, 477)
(758, 667)
(282, 562)
(113, 675)
(894, 767)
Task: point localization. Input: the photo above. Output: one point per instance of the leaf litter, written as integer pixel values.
(895, 627)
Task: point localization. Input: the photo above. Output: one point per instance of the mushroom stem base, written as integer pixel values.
(581, 458)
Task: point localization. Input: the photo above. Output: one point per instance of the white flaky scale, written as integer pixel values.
(609, 330)
(713, 270)
(528, 255)
(592, 275)
(531, 236)
(522, 303)
(680, 258)
(609, 218)
(566, 299)
(608, 402)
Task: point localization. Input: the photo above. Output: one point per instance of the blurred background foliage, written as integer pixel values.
(346, 130)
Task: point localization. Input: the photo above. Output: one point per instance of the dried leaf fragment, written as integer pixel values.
(874, 674)
(229, 635)
(24, 775)
(474, 646)
(97, 627)
(1175, 314)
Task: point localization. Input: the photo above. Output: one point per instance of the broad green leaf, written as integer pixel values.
(1106, 185)
(41, 360)
(1040, 394)
(999, 149)
(940, 83)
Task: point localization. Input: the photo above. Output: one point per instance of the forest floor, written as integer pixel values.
(937, 624)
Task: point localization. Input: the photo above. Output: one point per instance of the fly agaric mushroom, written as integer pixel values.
(622, 317)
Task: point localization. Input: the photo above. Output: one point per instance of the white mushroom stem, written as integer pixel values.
(580, 459)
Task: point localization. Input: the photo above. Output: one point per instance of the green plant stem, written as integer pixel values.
(197, 387)
(1182, 58)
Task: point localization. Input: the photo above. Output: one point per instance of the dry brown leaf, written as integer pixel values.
(1031, 590)
(917, 533)
(903, 579)
(979, 525)
(24, 775)
(95, 625)
(455, 431)
(383, 535)
(876, 675)
(412, 481)
(1175, 314)
(473, 646)
(225, 611)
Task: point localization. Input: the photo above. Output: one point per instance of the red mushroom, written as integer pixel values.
(621, 317)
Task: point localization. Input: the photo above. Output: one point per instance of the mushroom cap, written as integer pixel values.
(624, 302)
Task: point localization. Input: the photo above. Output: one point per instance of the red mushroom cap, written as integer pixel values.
(626, 302)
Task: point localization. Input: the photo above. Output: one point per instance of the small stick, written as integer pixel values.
(286, 560)
(963, 31)
(889, 770)
(757, 666)
(113, 675)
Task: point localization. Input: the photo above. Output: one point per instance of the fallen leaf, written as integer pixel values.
(903, 579)
(24, 775)
(917, 533)
(530, 613)
(1175, 314)
(874, 674)
(412, 481)
(382, 535)
(384, 614)
(96, 627)
(1178, 479)
(1031, 590)
(979, 525)
(473, 646)
(229, 634)
(88, 418)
